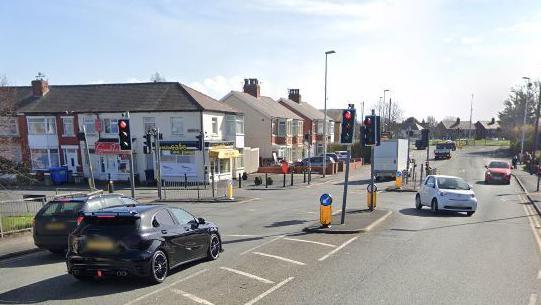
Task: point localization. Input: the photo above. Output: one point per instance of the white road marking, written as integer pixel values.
(285, 259)
(531, 222)
(248, 200)
(337, 249)
(533, 299)
(192, 297)
(539, 275)
(375, 223)
(310, 241)
(166, 287)
(259, 297)
(246, 274)
(261, 245)
(240, 235)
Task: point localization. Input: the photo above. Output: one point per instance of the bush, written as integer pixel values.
(258, 180)
(269, 181)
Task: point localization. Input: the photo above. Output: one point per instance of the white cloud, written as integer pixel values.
(218, 86)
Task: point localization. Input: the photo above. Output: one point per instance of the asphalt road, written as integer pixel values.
(411, 258)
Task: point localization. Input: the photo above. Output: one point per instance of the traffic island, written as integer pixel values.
(406, 189)
(357, 221)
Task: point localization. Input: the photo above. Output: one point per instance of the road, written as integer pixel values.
(413, 257)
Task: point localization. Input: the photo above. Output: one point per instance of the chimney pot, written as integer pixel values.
(251, 86)
(294, 95)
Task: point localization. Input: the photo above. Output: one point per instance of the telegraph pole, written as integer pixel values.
(91, 182)
(471, 115)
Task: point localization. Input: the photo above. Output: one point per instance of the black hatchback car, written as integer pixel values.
(58, 218)
(139, 240)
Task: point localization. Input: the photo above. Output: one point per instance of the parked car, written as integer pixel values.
(317, 161)
(442, 151)
(498, 172)
(420, 145)
(449, 193)
(334, 156)
(143, 241)
(451, 144)
(342, 155)
(58, 218)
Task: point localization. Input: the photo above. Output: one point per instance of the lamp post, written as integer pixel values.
(384, 92)
(527, 79)
(325, 117)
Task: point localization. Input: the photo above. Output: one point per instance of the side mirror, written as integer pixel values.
(486, 166)
(200, 220)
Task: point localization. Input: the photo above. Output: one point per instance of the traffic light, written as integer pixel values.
(147, 146)
(124, 134)
(424, 137)
(348, 126)
(370, 131)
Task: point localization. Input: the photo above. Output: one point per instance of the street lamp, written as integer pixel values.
(527, 79)
(388, 123)
(325, 117)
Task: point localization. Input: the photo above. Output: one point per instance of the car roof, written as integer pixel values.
(83, 198)
(445, 176)
(140, 208)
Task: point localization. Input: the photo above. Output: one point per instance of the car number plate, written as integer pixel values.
(497, 178)
(100, 245)
(55, 226)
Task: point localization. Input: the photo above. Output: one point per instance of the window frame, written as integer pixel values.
(214, 125)
(109, 125)
(282, 127)
(49, 154)
(71, 132)
(10, 122)
(89, 121)
(176, 130)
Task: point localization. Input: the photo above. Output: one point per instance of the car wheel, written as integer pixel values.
(215, 247)
(418, 204)
(434, 206)
(158, 267)
(469, 213)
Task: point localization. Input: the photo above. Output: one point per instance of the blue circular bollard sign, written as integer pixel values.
(325, 199)
(398, 173)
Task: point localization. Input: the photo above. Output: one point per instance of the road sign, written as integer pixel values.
(371, 188)
(325, 199)
(398, 173)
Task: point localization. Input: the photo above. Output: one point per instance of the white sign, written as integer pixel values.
(178, 169)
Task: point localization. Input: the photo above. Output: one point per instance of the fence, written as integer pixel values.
(194, 190)
(17, 215)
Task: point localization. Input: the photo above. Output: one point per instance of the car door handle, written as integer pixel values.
(164, 231)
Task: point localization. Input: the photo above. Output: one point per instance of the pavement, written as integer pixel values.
(16, 245)
(355, 221)
(412, 257)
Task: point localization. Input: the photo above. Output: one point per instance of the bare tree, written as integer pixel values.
(431, 122)
(382, 109)
(157, 77)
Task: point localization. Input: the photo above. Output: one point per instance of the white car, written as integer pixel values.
(446, 193)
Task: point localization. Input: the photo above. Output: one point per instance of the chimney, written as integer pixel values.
(251, 86)
(294, 95)
(40, 87)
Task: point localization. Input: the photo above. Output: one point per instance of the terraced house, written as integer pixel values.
(276, 130)
(200, 135)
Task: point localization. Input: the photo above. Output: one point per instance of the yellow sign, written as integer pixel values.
(223, 153)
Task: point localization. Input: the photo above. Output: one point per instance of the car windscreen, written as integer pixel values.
(62, 208)
(498, 164)
(447, 183)
(441, 146)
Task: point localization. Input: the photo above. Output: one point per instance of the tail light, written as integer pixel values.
(80, 219)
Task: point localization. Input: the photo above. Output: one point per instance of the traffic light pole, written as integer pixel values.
(158, 163)
(132, 174)
(91, 182)
(346, 181)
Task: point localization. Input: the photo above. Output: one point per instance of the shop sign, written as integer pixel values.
(178, 147)
(108, 148)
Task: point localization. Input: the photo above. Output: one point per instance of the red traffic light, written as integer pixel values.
(347, 115)
(122, 124)
(367, 122)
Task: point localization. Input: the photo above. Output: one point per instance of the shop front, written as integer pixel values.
(109, 162)
(222, 157)
(181, 160)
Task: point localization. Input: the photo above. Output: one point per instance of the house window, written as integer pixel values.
(67, 124)
(215, 125)
(330, 128)
(44, 158)
(230, 125)
(240, 161)
(8, 126)
(224, 165)
(300, 131)
(282, 128)
(111, 126)
(41, 126)
(177, 126)
(288, 124)
(319, 127)
(274, 127)
(295, 127)
(240, 124)
(149, 123)
(90, 125)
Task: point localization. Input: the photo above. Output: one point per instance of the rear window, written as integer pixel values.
(62, 208)
(498, 164)
(114, 221)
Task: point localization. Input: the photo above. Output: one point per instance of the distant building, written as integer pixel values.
(457, 129)
(487, 129)
(410, 124)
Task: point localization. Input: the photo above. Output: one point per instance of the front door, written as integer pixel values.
(71, 159)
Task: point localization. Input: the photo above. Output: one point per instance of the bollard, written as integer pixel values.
(398, 179)
(284, 180)
(266, 181)
(240, 181)
(371, 197)
(304, 176)
(185, 180)
(421, 178)
(325, 210)
(230, 189)
(110, 187)
(291, 178)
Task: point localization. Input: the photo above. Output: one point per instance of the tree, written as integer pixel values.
(157, 77)
(382, 109)
(430, 122)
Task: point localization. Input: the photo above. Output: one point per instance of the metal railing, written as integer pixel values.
(17, 215)
(194, 190)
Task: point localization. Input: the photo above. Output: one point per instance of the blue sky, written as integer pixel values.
(432, 54)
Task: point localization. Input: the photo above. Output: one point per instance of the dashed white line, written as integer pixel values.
(263, 244)
(246, 274)
(533, 299)
(192, 297)
(285, 259)
(166, 287)
(259, 297)
(337, 249)
(310, 241)
(240, 235)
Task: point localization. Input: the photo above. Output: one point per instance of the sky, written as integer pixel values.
(431, 54)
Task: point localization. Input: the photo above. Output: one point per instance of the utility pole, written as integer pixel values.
(534, 150)
(389, 123)
(524, 118)
(372, 188)
(91, 183)
(158, 162)
(325, 117)
(471, 114)
(132, 166)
